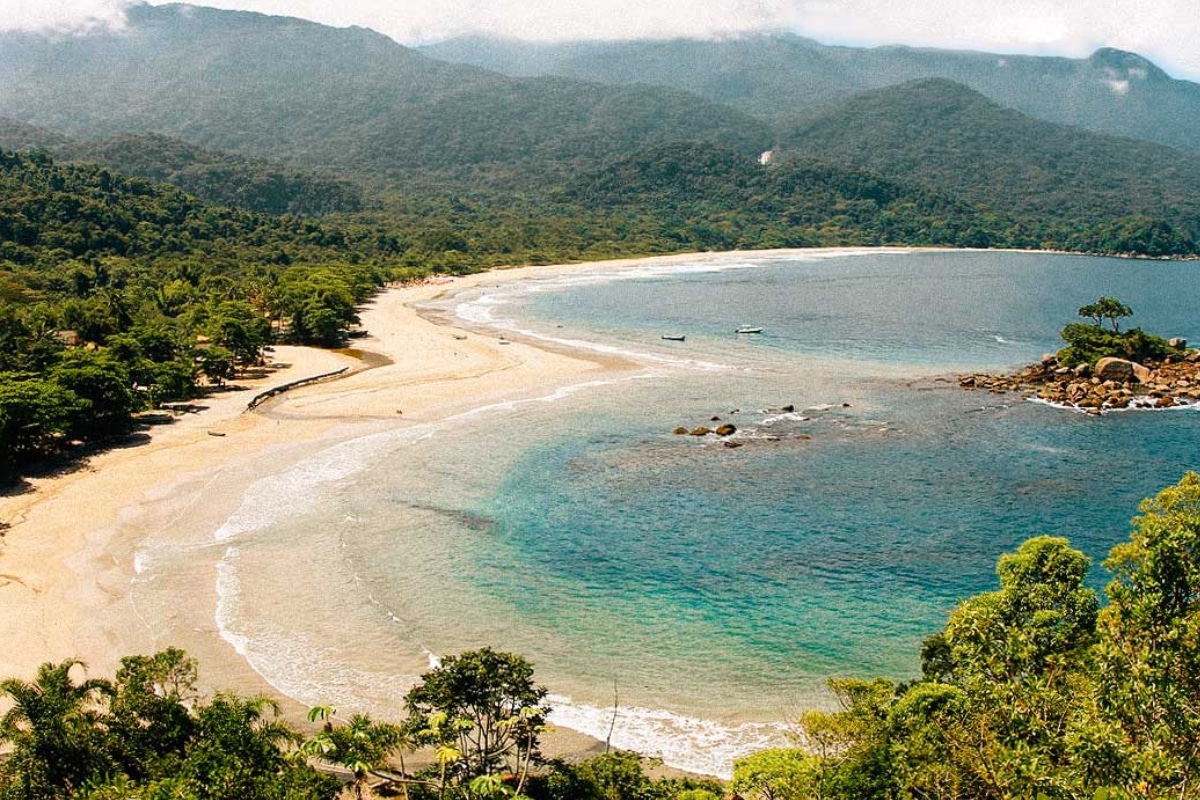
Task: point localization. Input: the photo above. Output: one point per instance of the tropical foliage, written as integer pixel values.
(117, 294)
(1033, 690)
(1087, 344)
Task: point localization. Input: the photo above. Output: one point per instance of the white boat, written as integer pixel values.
(674, 337)
(748, 329)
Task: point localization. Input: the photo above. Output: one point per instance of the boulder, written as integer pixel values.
(1115, 369)
(726, 430)
(681, 431)
(1083, 370)
(700, 431)
(732, 444)
(1178, 343)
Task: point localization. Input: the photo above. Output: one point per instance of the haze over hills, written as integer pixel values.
(776, 76)
(471, 166)
(349, 99)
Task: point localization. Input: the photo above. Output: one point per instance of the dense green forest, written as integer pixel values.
(946, 137)
(118, 294)
(1034, 690)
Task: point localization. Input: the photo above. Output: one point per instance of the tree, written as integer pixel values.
(238, 750)
(360, 745)
(778, 774)
(149, 714)
(237, 327)
(54, 727)
(1106, 308)
(485, 712)
(1149, 651)
(35, 416)
(103, 383)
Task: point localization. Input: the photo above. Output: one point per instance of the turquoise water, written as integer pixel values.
(836, 554)
(713, 590)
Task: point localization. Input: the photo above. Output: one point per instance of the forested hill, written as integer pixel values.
(348, 99)
(211, 175)
(728, 201)
(950, 138)
(775, 76)
(466, 167)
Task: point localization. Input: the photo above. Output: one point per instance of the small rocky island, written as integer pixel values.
(1103, 369)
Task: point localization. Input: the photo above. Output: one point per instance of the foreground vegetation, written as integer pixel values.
(1030, 691)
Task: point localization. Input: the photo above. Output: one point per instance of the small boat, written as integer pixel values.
(748, 329)
(674, 337)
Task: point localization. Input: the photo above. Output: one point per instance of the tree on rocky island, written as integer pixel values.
(1087, 344)
(1106, 308)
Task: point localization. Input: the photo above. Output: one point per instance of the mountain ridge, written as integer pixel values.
(782, 74)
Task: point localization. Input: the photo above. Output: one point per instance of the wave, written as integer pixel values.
(697, 745)
(1143, 403)
(311, 671)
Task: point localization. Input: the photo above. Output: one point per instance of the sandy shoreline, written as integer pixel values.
(67, 558)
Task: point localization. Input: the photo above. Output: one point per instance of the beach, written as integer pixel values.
(68, 556)
(66, 559)
(497, 467)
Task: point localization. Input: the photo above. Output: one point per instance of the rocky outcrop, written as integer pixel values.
(1115, 369)
(726, 430)
(1114, 383)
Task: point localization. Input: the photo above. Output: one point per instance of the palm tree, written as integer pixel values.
(361, 745)
(55, 728)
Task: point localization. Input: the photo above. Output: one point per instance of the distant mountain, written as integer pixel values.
(347, 99)
(213, 176)
(777, 76)
(15, 135)
(946, 136)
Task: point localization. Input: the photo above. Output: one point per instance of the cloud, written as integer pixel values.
(62, 15)
(1162, 30)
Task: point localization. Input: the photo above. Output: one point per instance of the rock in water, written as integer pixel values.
(726, 430)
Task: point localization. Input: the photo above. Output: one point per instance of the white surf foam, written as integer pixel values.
(697, 745)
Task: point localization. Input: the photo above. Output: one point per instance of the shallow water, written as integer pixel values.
(710, 590)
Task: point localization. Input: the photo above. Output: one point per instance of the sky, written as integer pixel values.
(1165, 31)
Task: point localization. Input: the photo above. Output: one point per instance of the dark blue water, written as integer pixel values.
(746, 577)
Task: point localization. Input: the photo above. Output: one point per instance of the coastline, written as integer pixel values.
(67, 558)
(70, 576)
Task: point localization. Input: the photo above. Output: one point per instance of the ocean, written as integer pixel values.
(701, 594)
